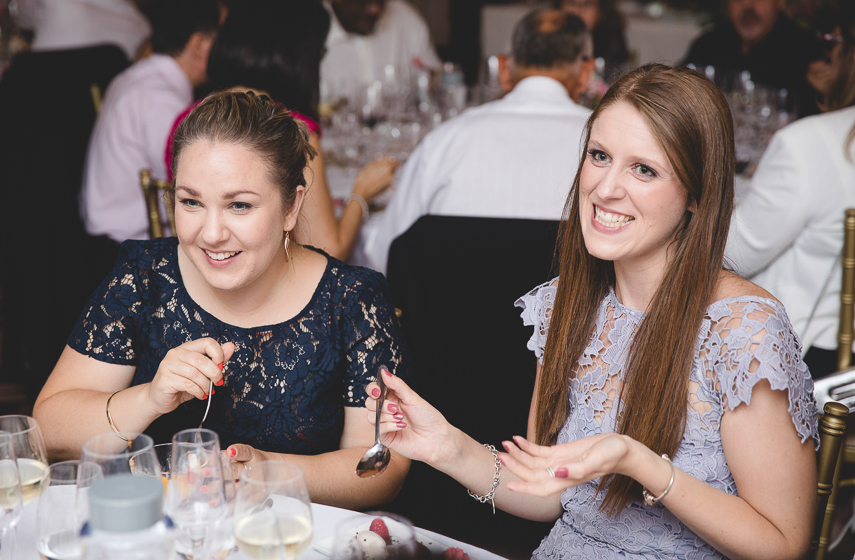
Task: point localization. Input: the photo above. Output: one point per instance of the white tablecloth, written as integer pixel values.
(326, 519)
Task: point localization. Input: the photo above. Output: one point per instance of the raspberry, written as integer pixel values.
(379, 526)
(454, 553)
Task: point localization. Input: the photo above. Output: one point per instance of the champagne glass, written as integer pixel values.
(30, 452)
(140, 463)
(356, 537)
(57, 521)
(11, 501)
(273, 519)
(195, 497)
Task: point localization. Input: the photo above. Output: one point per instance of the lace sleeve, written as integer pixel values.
(372, 334)
(753, 340)
(106, 328)
(537, 310)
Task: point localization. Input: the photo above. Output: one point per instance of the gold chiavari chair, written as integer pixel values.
(832, 427)
(846, 329)
(153, 190)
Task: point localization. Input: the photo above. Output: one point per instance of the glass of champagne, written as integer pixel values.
(195, 496)
(57, 522)
(11, 501)
(30, 452)
(273, 519)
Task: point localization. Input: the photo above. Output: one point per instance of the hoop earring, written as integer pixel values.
(287, 240)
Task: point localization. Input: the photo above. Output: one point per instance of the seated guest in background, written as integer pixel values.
(607, 31)
(139, 108)
(48, 104)
(787, 232)
(274, 47)
(73, 24)
(366, 36)
(289, 335)
(508, 158)
(669, 391)
(758, 36)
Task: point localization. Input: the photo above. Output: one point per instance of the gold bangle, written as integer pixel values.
(110, 418)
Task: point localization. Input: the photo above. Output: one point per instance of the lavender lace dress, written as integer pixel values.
(720, 381)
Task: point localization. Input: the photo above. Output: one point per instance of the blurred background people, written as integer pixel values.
(139, 108)
(49, 98)
(758, 36)
(510, 158)
(274, 47)
(369, 36)
(607, 31)
(787, 232)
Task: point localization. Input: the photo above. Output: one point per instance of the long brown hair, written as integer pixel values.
(692, 121)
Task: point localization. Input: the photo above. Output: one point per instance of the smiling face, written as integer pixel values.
(229, 216)
(631, 202)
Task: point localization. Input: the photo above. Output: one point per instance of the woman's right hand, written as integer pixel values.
(375, 177)
(186, 372)
(409, 424)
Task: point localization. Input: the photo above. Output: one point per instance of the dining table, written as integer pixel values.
(325, 520)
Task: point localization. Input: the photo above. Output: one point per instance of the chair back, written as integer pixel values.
(846, 329)
(455, 280)
(153, 190)
(832, 426)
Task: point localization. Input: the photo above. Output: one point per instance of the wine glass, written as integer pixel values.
(357, 538)
(195, 496)
(273, 519)
(11, 501)
(57, 521)
(140, 463)
(30, 452)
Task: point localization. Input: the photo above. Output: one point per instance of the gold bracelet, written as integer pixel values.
(110, 418)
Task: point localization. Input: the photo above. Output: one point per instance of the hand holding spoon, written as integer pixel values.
(377, 458)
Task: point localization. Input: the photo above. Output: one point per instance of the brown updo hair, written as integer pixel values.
(258, 124)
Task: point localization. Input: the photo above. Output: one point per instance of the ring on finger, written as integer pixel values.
(551, 472)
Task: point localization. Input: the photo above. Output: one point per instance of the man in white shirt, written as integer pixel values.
(139, 109)
(366, 36)
(512, 158)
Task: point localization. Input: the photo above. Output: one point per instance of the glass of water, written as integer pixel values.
(57, 521)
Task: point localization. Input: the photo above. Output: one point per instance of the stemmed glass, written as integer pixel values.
(273, 519)
(11, 501)
(30, 452)
(195, 496)
(57, 521)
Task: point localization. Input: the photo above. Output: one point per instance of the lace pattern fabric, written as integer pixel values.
(729, 361)
(286, 386)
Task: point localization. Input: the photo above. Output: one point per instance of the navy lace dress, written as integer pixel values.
(286, 386)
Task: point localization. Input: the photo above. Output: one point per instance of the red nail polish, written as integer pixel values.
(375, 392)
(398, 416)
(393, 408)
(204, 397)
(213, 391)
(562, 473)
(401, 424)
(506, 445)
(501, 459)
(232, 452)
(386, 371)
(220, 365)
(220, 383)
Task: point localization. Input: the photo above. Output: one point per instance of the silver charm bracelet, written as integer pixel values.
(491, 495)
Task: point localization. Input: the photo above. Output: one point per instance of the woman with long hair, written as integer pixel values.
(274, 48)
(787, 231)
(671, 405)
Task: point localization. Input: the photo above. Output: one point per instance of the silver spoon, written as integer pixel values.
(377, 458)
(208, 406)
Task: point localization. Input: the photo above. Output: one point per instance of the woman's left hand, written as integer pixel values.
(573, 463)
(242, 455)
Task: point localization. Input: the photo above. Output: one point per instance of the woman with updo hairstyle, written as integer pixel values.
(671, 405)
(606, 24)
(288, 336)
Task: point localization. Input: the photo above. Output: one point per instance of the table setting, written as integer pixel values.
(195, 509)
